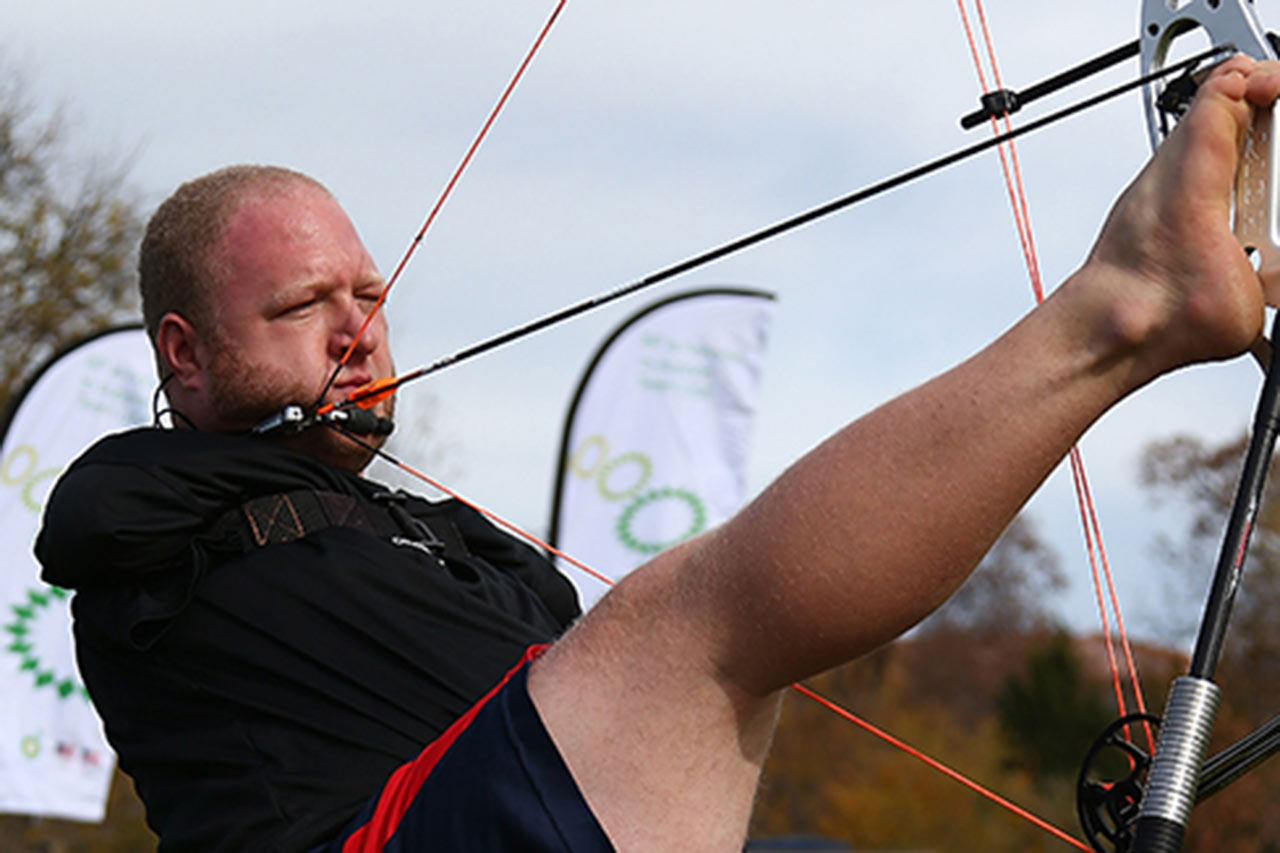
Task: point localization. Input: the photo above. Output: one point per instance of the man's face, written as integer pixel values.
(295, 284)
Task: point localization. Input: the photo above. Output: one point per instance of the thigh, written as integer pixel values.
(666, 751)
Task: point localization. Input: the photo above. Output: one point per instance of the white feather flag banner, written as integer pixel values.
(656, 441)
(53, 758)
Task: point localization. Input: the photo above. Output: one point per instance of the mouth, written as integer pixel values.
(343, 389)
(351, 382)
(353, 385)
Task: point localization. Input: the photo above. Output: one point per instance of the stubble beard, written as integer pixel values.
(245, 394)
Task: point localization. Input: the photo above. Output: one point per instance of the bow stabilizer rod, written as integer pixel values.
(1002, 102)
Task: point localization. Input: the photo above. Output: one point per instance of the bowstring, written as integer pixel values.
(444, 195)
(1091, 528)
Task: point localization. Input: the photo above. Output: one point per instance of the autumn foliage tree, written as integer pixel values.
(936, 690)
(1050, 713)
(992, 688)
(67, 236)
(1201, 478)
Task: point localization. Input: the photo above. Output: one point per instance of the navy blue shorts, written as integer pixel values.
(492, 781)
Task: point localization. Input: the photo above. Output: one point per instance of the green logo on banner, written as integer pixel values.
(623, 478)
(23, 643)
(20, 469)
(643, 468)
(111, 388)
(697, 519)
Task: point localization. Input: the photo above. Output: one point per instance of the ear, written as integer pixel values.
(178, 345)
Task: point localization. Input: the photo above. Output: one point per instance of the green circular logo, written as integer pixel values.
(23, 643)
(697, 520)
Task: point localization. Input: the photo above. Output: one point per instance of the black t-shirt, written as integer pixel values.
(259, 696)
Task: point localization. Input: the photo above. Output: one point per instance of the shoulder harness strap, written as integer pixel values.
(287, 516)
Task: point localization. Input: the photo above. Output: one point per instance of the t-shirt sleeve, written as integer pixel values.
(110, 522)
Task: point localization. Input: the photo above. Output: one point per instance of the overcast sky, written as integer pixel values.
(644, 133)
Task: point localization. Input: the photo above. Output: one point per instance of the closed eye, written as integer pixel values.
(298, 307)
(368, 299)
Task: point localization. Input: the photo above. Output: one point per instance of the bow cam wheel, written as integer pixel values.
(1113, 780)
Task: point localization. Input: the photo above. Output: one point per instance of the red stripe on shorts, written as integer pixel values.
(404, 784)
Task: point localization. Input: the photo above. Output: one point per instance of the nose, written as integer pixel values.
(357, 330)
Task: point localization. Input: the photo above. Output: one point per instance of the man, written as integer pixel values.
(645, 726)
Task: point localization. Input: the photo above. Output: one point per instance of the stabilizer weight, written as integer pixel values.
(1175, 770)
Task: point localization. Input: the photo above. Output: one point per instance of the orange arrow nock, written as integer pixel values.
(366, 396)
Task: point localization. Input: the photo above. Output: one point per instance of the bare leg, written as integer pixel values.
(663, 699)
